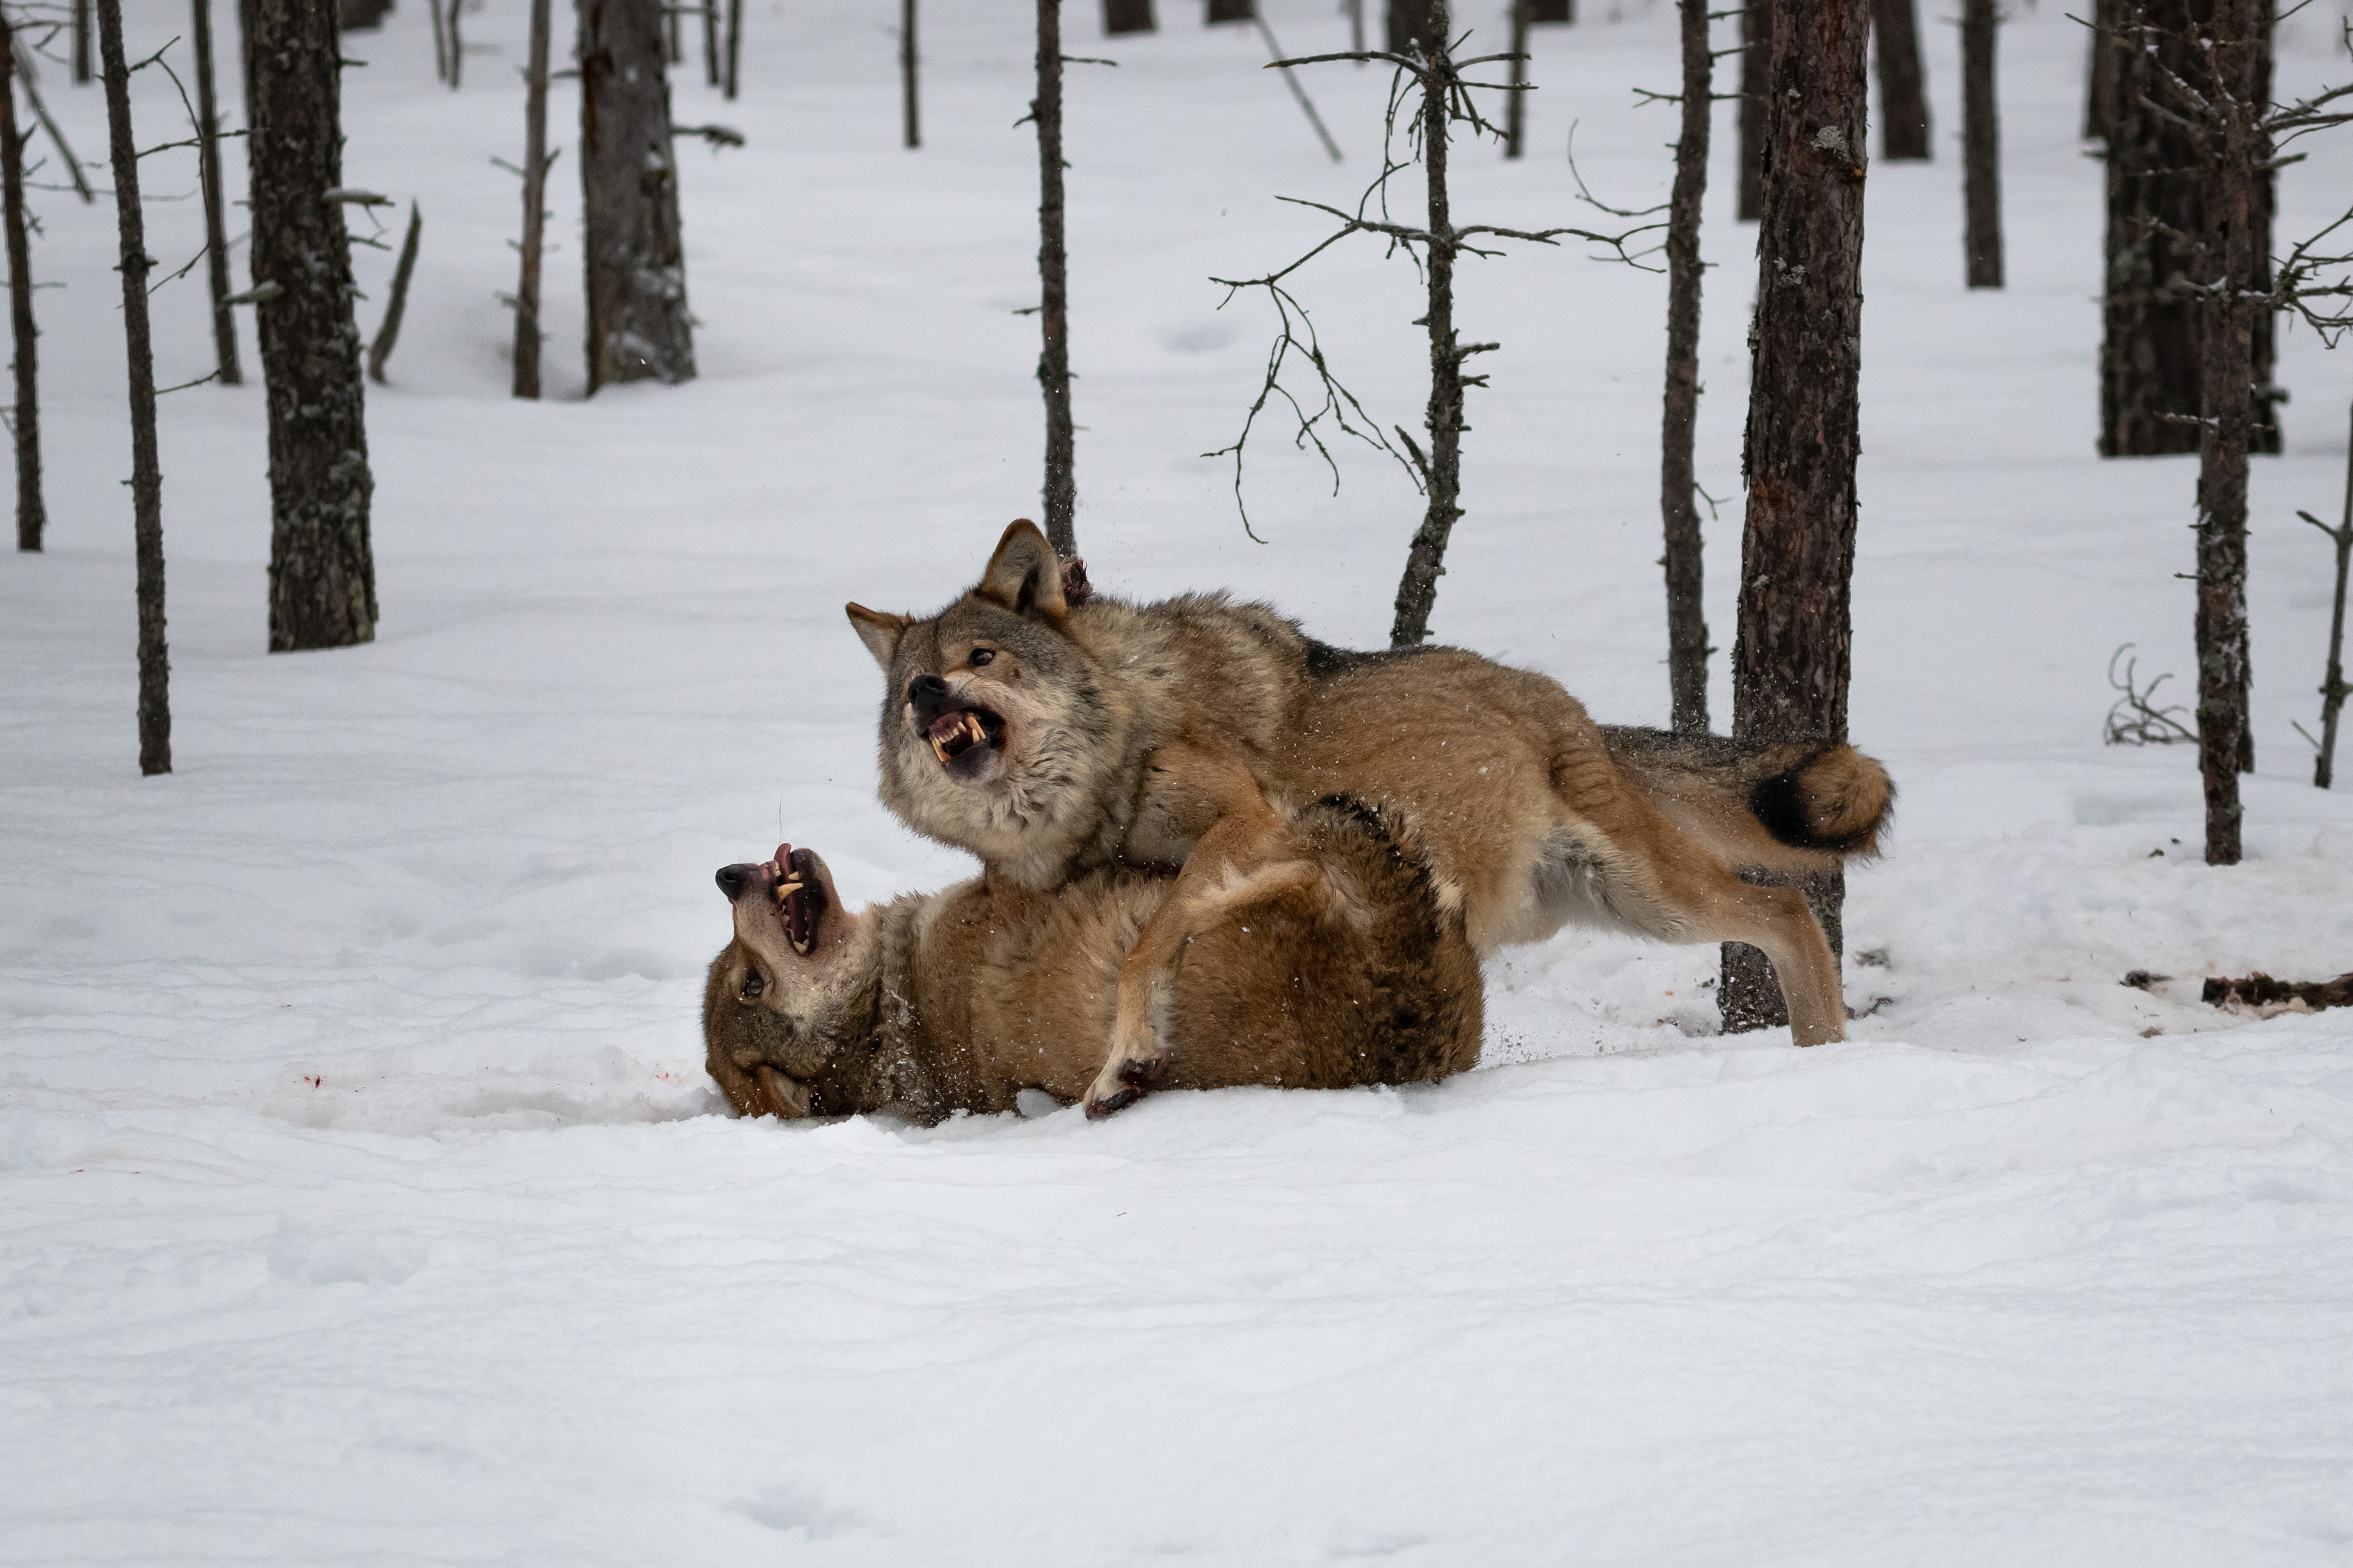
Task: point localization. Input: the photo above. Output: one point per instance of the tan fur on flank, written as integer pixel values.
(1331, 967)
(1166, 735)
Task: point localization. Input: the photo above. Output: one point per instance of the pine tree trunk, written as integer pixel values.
(1230, 11)
(2100, 72)
(322, 566)
(1552, 11)
(909, 80)
(1790, 659)
(1061, 494)
(734, 49)
(1981, 145)
(711, 48)
(32, 517)
(1678, 483)
(639, 328)
(2151, 382)
(81, 72)
(1425, 563)
(2234, 150)
(208, 169)
(1902, 84)
(1756, 68)
(528, 336)
(1127, 16)
(146, 475)
(1515, 119)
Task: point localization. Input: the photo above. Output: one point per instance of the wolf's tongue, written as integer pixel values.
(784, 861)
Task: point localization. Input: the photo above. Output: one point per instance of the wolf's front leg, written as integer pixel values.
(1233, 828)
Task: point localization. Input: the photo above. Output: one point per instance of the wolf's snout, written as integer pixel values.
(734, 879)
(927, 694)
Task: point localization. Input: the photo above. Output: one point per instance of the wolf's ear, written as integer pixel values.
(878, 631)
(1023, 575)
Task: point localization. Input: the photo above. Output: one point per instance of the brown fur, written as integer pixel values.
(1169, 734)
(1333, 966)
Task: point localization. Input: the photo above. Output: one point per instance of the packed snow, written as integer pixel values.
(364, 1197)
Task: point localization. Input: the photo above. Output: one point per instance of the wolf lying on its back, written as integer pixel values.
(1335, 967)
(1049, 738)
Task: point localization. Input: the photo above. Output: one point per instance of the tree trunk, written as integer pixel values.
(2234, 150)
(379, 353)
(1515, 110)
(32, 517)
(321, 567)
(2151, 383)
(1552, 11)
(1061, 496)
(146, 476)
(735, 46)
(639, 328)
(1791, 659)
(2100, 72)
(528, 336)
(1678, 483)
(457, 46)
(1411, 27)
(909, 80)
(1903, 85)
(710, 49)
(1982, 144)
(1756, 66)
(208, 169)
(1443, 472)
(1230, 11)
(1127, 16)
(80, 40)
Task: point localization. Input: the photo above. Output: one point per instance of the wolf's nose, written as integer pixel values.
(926, 689)
(734, 879)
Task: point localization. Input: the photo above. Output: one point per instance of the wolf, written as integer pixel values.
(1050, 737)
(1334, 965)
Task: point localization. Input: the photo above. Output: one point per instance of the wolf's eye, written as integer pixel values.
(980, 656)
(753, 986)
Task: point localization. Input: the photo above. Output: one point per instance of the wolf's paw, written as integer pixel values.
(1124, 1081)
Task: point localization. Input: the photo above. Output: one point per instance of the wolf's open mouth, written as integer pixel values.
(799, 898)
(953, 733)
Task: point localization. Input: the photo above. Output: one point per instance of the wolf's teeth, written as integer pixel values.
(802, 948)
(939, 750)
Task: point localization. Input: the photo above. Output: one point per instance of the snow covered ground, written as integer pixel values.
(364, 1201)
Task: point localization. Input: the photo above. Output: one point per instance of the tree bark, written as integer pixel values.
(1552, 10)
(1980, 144)
(1678, 481)
(2234, 150)
(321, 565)
(1756, 66)
(639, 328)
(81, 40)
(909, 80)
(1127, 16)
(710, 49)
(2100, 72)
(1515, 111)
(1902, 84)
(1442, 471)
(2150, 381)
(146, 475)
(1061, 493)
(208, 169)
(1230, 11)
(32, 516)
(1792, 657)
(528, 336)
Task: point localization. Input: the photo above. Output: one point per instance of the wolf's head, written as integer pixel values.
(997, 734)
(792, 988)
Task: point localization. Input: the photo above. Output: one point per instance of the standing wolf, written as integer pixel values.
(1049, 738)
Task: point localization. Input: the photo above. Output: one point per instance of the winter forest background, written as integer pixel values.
(365, 1198)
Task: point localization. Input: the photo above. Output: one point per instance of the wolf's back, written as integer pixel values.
(1823, 800)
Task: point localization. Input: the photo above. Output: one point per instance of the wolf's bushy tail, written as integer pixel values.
(1824, 800)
